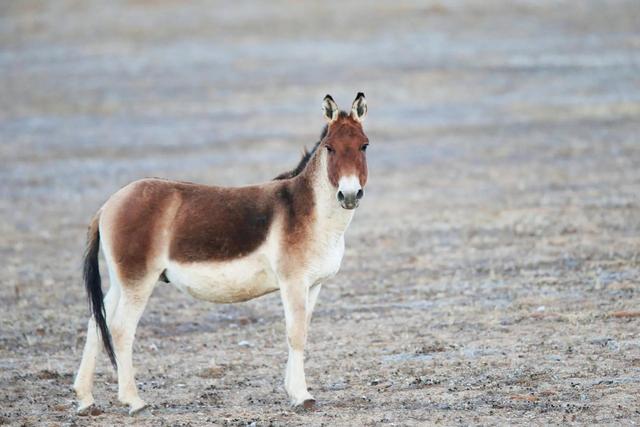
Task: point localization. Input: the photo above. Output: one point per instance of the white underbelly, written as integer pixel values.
(225, 282)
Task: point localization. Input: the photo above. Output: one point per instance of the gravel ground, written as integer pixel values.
(491, 272)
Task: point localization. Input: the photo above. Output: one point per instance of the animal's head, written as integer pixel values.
(346, 145)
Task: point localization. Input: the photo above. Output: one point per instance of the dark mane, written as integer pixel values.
(306, 156)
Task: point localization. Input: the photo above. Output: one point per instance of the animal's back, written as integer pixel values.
(151, 221)
(218, 223)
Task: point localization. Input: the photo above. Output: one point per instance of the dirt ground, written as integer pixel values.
(491, 272)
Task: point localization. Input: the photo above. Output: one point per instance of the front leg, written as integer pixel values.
(295, 296)
(311, 301)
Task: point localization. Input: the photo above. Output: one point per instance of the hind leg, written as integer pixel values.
(83, 384)
(132, 302)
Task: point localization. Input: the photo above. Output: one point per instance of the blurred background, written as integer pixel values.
(491, 271)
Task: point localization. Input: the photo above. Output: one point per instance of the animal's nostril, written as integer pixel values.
(340, 196)
(359, 194)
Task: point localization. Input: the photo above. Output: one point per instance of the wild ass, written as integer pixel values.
(225, 245)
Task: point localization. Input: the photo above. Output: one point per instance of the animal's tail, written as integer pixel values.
(93, 285)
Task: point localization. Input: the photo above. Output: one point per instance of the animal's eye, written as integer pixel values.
(330, 149)
(364, 147)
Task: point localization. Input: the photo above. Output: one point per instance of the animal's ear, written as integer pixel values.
(359, 107)
(330, 108)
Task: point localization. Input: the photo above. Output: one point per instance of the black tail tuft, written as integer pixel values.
(93, 285)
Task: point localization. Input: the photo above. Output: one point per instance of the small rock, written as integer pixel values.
(613, 345)
(337, 386)
(601, 341)
(46, 374)
(212, 372)
(525, 397)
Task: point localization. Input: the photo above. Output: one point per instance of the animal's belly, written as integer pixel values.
(225, 282)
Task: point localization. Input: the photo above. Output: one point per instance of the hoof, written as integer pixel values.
(91, 409)
(306, 405)
(309, 404)
(138, 409)
(85, 402)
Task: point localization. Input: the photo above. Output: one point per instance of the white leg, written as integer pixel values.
(295, 302)
(128, 312)
(83, 384)
(313, 297)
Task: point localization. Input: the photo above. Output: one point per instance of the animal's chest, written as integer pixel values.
(325, 259)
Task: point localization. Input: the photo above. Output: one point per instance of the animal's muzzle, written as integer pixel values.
(350, 199)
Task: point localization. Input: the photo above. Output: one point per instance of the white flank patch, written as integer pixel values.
(234, 280)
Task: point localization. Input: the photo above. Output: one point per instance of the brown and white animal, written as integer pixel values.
(225, 245)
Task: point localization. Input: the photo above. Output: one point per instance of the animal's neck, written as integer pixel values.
(330, 216)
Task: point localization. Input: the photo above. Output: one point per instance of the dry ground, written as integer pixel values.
(491, 274)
